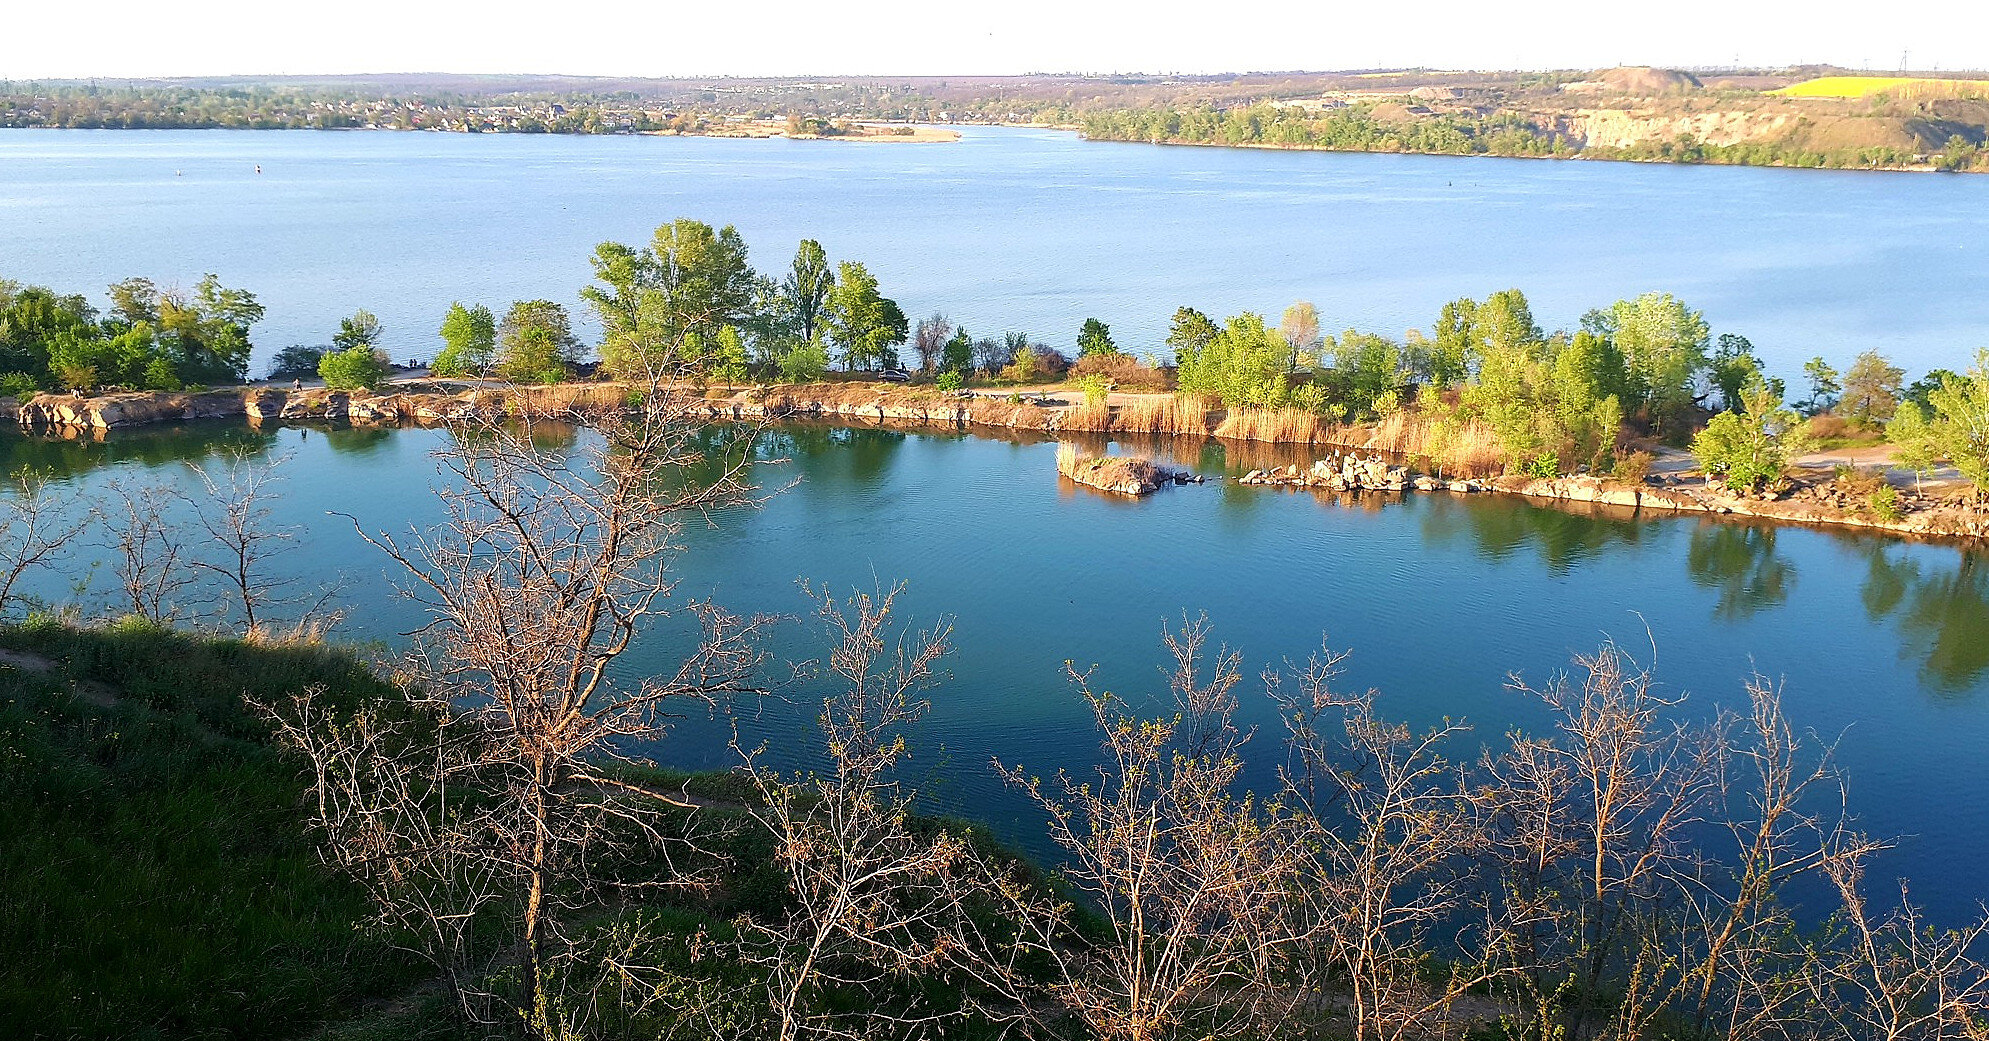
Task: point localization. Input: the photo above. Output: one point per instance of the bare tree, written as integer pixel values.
(1191, 878)
(38, 521)
(929, 340)
(1893, 976)
(149, 553)
(236, 513)
(1588, 846)
(1388, 872)
(876, 904)
(546, 567)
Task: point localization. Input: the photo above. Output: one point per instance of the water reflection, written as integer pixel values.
(1739, 562)
(1943, 617)
(75, 453)
(1502, 528)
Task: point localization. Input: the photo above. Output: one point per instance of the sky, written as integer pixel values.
(144, 38)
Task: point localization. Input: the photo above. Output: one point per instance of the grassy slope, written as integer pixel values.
(155, 877)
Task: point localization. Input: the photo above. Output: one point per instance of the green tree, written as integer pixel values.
(1872, 389)
(360, 330)
(296, 362)
(1911, 433)
(535, 342)
(1095, 338)
(1734, 366)
(1454, 350)
(1189, 332)
(957, 355)
(1959, 427)
(1823, 385)
(354, 368)
(1749, 448)
(1243, 363)
(806, 288)
(469, 340)
(692, 280)
(865, 325)
(1663, 344)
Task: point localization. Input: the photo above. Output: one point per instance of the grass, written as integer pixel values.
(156, 879)
(1471, 449)
(1866, 86)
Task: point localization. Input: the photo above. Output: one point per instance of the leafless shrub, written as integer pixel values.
(1387, 831)
(1190, 877)
(547, 565)
(38, 521)
(1587, 846)
(245, 541)
(149, 552)
(876, 905)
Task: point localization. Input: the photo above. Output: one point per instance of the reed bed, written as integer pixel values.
(1184, 415)
(1092, 415)
(1285, 425)
(1467, 449)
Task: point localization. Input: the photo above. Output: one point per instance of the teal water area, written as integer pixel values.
(1439, 598)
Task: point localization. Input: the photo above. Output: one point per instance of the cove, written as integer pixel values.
(1439, 598)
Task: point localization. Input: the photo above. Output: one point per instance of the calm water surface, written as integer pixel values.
(1007, 229)
(1439, 598)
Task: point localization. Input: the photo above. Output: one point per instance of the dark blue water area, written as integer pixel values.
(1032, 230)
(1880, 644)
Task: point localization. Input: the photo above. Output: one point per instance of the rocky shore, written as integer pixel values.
(1345, 469)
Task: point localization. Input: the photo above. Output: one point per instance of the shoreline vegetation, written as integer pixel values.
(1618, 412)
(1806, 117)
(1378, 458)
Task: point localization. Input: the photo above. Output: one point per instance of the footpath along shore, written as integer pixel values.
(1348, 463)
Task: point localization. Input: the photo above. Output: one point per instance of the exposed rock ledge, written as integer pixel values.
(442, 401)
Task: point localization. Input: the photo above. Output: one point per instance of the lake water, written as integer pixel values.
(1008, 229)
(1439, 598)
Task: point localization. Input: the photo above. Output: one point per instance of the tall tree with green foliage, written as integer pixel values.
(1244, 362)
(1189, 333)
(1872, 389)
(863, 323)
(1095, 338)
(1959, 427)
(535, 342)
(1663, 344)
(1823, 385)
(469, 341)
(361, 330)
(1734, 366)
(692, 280)
(806, 288)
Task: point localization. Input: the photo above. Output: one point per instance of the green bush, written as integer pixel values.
(355, 368)
(949, 381)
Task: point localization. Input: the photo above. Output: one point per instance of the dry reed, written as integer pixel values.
(1283, 425)
(1186, 415)
(1118, 473)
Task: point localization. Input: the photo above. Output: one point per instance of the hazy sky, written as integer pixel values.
(911, 37)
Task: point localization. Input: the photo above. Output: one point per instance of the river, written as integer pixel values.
(1033, 230)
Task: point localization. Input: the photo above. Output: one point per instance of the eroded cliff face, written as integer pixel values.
(1626, 128)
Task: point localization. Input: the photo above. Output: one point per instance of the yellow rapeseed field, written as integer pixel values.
(1865, 86)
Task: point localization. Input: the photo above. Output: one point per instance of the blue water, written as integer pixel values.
(1008, 229)
(1880, 642)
